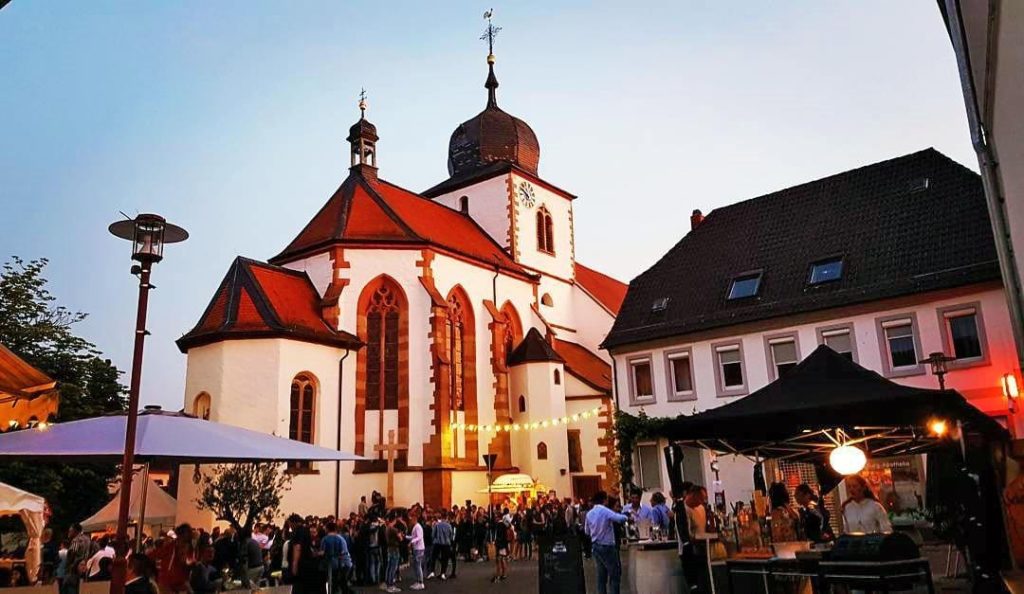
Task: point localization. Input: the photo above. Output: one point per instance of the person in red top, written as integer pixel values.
(174, 558)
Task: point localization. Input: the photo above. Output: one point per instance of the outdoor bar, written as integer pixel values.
(831, 413)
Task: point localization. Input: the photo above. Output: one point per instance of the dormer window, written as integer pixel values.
(826, 271)
(745, 285)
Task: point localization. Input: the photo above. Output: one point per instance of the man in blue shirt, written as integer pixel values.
(339, 560)
(601, 529)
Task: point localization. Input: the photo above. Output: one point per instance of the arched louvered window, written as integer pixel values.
(545, 231)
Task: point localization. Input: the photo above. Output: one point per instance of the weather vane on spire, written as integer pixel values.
(362, 102)
(490, 33)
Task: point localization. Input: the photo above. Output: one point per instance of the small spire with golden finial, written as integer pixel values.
(492, 81)
(362, 104)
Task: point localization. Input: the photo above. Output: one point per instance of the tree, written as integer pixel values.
(243, 494)
(40, 331)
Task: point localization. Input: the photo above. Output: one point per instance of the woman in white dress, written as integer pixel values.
(862, 513)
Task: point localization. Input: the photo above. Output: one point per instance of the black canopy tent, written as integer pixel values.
(827, 399)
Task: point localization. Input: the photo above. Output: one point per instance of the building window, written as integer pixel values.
(456, 325)
(575, 451)
(826, 271)
(545, 231)
(201, 406)
(558, 378)
(679, 365)
(963, 334)
(648, 467)
(730, 376)
(546, 299)
(900, 345)
(303, 407)
(542, 451)
(745, 285)
(640, 380)
(783, 353)
(382, 318)
(839, 339)
(464, 204)
(522, 404)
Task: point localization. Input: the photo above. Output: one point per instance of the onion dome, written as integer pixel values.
(492, 135)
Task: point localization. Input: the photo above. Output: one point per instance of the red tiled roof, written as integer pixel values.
(587, 366)
(257, 300)
(367, 209)
(608, 291)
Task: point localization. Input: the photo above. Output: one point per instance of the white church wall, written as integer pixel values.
(560, 263)
(465, 485)
(545, 400)
(591, 321)
(318, 267)
(560, 311)
(488, 205)
(575, 387)
(589, 433)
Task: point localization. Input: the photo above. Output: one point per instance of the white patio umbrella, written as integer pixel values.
(161, 435)
(30, 508)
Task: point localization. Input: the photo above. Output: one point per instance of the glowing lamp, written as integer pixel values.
(847, 459)
(938, 427)
(42, 426)
(575, 418)
(1010, 389)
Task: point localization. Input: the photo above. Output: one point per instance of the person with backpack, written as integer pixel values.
(504, 534)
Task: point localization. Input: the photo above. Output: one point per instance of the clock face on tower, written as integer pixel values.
(527, 197)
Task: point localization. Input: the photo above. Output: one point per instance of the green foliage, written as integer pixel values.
(629, 430)
(243, 494)
(39, 331)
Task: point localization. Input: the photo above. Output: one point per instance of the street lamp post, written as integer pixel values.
(938, 363)
(489, 460)
(148, 234)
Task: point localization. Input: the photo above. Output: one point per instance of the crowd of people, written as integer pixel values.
(378, 546)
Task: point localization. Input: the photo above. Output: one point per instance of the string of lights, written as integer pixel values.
(512, 427)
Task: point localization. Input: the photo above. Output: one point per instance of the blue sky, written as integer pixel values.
(229, 118)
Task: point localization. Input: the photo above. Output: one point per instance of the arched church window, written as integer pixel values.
(513, 329)
(558, 377)
(542, 451)
(201, 406)
(382, 366)
(458, 328)
(382, 324)
(545, 231)
(303, 407)
(546, 299)
(522, 403)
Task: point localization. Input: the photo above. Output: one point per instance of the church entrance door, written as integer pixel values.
(584, 487)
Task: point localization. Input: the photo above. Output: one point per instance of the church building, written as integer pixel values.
(457, 318)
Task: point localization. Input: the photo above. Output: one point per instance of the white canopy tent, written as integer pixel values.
(30, 508)
(156, 508)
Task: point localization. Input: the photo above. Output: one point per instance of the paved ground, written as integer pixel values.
(475, 578)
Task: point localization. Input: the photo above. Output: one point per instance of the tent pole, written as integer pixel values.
(142, 507)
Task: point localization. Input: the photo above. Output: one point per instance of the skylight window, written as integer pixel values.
(826, 271)
(746, 285)
(659, 304)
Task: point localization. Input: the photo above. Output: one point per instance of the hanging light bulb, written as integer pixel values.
(847, 459)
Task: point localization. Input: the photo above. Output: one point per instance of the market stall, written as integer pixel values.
(30, 508)
(28, 396)
(833, 414)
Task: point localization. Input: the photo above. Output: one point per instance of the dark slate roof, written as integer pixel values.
(908, 225)
(533, 348)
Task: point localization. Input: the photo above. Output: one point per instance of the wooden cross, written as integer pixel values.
(391, 447)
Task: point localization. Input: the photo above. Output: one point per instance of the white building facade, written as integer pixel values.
(769, 293)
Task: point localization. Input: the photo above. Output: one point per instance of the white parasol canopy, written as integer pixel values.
(160, 436)
(15, 502)
(513, 483)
